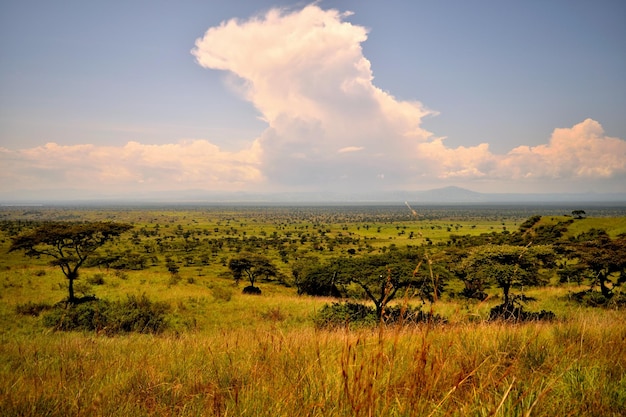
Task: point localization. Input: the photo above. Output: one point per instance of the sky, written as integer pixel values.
(139, 98)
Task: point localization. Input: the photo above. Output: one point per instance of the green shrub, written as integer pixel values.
(409, 315)
(344, 314)
(32, 309)
(590, 298)
(138, 314)
(90, 315)
(356, 314)
(135, 314)
(96, 279)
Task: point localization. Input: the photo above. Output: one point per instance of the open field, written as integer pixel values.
(230, 354)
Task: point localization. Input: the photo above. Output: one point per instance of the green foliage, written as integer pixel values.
(69, 245)
(32, 309)
(252, 266)
(135, 314)
(345, 314)
(96, 279)
(318, 279)
(603, 257)
(507, 266)
(590, 298)
(380, 277)
(514, 311)
(359, 315)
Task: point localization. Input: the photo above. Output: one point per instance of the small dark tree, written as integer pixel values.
(252, 266)
(579, 214)
(68, 244)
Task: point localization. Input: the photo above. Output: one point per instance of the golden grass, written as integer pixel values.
(572, 367)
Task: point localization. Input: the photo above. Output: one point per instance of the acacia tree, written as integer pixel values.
(604, 257)
(508, 265)
(382, 276)
(252, 266)
(68, 244)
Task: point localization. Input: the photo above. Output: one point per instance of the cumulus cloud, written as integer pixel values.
(328, 127)
(305, 72)
(582, 151)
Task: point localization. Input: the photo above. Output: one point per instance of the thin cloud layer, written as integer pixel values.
(133, 167)
(329, 128)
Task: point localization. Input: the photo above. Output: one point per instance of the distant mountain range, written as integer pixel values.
(446, 195)
(462, 195)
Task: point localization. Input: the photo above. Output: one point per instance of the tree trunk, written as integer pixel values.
(71, 277)
(505, 290)
(605, 290)
(379, 310)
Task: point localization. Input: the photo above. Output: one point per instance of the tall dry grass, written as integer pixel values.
(573, 367)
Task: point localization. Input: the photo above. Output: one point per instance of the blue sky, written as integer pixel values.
(120, 98)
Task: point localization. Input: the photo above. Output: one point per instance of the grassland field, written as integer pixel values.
(230, 354)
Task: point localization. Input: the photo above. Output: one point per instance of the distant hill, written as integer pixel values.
(462, 195)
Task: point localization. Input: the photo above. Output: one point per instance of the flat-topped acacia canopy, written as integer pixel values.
(68, 244)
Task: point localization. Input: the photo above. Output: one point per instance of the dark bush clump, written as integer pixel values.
(135, 314)
(97, 279)
(591, 298)
(252, 290)
(32, 309)
(410, 315)
(515, 312)
(356, 314)
(343, 314)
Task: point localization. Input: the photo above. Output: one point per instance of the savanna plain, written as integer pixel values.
(186, 340)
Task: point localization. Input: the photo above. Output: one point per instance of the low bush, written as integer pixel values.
(96, 279)
(515, 312)
(410, 315)
(32, 309)
(345, 314)
(592, 298)
(135, 314)
(252, 290)
(356, 314)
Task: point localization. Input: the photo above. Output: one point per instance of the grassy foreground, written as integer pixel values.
(576, 366)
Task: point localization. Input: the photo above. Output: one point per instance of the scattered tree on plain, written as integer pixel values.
(507, 266)
(69, 245)
(380, 277)
(603, 257)
(252, 266)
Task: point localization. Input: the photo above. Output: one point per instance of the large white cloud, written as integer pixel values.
(329, 127)
(305, 72)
